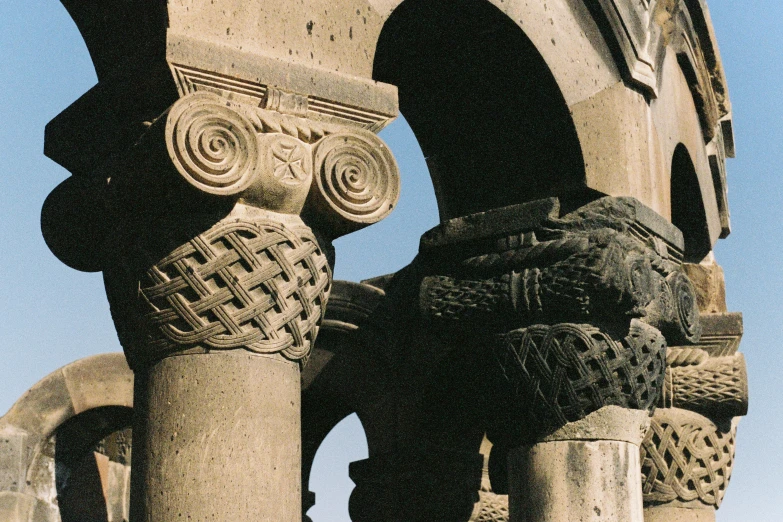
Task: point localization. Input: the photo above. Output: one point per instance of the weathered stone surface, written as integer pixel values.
(95, 392)
(721, 333)
(707, 278)
(13, 457)
(96, 382)
(222, 153)
(188, 439)
(576, 480)
(607, 423)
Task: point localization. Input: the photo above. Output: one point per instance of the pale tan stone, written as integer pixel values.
(564, 481)
(217, 427)
(676, 514)
(248, 113)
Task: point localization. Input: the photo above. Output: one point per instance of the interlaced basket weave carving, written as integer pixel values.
(564, 372)
(491, 507)
(262, 286)
(686, 457)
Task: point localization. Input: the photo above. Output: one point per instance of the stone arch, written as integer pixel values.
(687, 206)
(90, 396)
(488, 112)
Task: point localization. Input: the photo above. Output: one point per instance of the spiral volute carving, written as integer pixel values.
(212, 144)
(686, 309)
(356, 177)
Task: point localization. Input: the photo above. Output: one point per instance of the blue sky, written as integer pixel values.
(51, 315)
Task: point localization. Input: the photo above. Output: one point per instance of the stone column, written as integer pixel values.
(587, 470)
(688, 454)
(581, 307)
(217, 263)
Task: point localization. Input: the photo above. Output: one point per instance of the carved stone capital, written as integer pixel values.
(581, 305)
(278, 161)
(605, 263)
(686, 458)
(255, 280)
(562, 373)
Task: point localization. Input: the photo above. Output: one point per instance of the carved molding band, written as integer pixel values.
(260, 285)
(212, 144)
(564, 372)
(608, 262)
(711, 386)
(601, 283)
(686, 457)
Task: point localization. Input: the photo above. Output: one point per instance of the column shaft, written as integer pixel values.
(567, 481)
(217, 438)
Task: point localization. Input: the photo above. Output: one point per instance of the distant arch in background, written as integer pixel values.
(688, 212)
(50, 434)
(483, 103)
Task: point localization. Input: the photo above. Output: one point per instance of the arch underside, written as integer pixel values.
(487, 112)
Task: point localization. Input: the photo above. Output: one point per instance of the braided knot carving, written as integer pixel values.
(258, 285)
(491, 507)
(564, 372)
(686, 457)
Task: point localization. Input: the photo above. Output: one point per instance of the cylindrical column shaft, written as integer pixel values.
(587, 471)
(679, 514)
(573, 480)
(217, 438)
